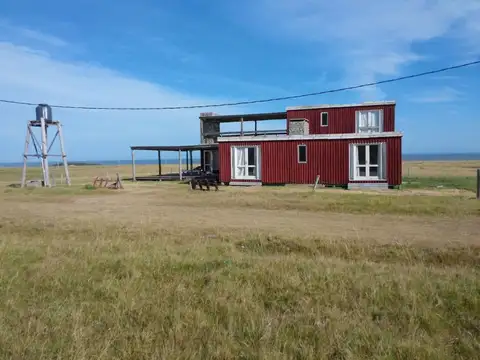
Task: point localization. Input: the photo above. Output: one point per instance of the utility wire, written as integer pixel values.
(250, 101)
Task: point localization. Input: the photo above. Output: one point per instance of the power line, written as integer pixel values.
(251, 101)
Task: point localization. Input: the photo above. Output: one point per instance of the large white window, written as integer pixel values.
(245, 162)
(367, 161)
(369, 121)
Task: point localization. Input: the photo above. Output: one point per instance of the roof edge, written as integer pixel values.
(276, 115)
(329, 106)
(351, 136)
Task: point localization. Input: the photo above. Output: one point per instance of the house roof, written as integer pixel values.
(329, 106)
(311, 137)
(176, 147)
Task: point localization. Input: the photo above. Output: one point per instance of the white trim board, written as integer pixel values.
(245, 183)
(368, 185)
(329, 106)
(351, 136)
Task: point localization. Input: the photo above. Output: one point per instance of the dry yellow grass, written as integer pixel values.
(440, 168)
(160, 271)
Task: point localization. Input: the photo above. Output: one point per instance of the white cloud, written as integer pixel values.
(440, 95)
(35, 76)
(13, 31)
(370, 37)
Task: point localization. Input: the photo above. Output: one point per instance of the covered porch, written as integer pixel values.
(186, 170)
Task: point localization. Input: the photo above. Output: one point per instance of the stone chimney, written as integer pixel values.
(298, 127)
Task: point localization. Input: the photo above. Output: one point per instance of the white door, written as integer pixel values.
(368, 161)
(246, 163)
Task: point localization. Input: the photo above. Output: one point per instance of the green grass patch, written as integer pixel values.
(339, 202)
(53, 193)
(452, 182)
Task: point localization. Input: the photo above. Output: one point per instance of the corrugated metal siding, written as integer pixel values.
(225, 162)
(327, 158)
(340, 120)
(272, 157)
(394, 161)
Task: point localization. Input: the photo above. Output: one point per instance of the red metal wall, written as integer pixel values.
(340, 120)
(327, 158)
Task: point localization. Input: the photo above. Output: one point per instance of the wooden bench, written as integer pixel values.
(202, 182)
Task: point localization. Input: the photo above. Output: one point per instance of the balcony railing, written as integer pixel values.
(245, 133)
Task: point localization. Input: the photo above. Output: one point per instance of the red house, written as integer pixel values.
(345, 145)
(351, 146)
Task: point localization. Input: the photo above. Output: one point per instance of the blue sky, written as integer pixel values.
(161, 53)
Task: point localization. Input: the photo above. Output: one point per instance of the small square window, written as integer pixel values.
(302, 153)
(324, 120)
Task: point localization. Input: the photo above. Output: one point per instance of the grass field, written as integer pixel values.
(159, 271)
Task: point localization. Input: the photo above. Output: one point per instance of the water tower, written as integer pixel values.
(43, 120)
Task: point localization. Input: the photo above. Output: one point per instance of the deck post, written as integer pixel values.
(159, 163)
(241, 126)
(134, 175)
(180, 164)
(478, 184)
(255, 127)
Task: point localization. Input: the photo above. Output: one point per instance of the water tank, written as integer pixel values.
(44, 111)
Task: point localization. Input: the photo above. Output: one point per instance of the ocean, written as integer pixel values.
(406, 157)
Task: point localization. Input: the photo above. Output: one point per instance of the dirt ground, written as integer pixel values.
(167, 205)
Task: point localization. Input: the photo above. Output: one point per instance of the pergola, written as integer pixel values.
(207, 132)
(188, 149)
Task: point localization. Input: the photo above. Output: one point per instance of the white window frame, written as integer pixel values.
(298, 154)
(234, 151)
(321, 119)
(381, 166)
(369, 129)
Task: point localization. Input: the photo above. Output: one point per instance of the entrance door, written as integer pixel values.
(368, 162)
(208, 160)
(246, 163)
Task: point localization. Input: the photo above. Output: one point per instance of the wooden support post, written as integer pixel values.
(187, 154)
(180, 164)
(191, 159)
(241, 126)
(159, 164)
(478, 184)
(316, 182)
(119, 184)
(134, 173)
(255, 127)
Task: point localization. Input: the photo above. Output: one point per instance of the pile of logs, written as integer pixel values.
(105, 182)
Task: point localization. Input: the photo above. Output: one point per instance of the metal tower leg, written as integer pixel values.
(46, 175)
(25, 157)
(64, 156)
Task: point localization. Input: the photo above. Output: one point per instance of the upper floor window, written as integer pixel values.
(324, 119)
(369, 121)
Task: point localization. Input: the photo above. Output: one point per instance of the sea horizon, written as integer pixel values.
(405, 157)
